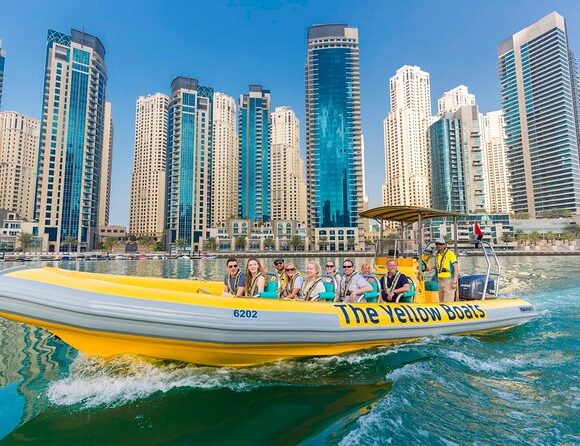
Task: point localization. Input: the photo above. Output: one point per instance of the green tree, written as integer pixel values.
(322, 240)
(180, 243)
(240, 243)
(159, 246)
(109, 243)
(507, 238)
(295, 242)
(25, 239)
(146, 241)
(534, 237)
(269, 243)
(210, 244)
(350, 242)
(520, 216)
(69, 242)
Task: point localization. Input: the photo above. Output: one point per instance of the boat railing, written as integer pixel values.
(493, 268)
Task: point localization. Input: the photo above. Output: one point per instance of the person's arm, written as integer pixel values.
(455, 275)
(363, 287)
(297, 287)
(261, 284)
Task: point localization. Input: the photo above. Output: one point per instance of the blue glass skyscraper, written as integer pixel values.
(2, 60)
(189, 144)
(457, 176)
(333, 127)
(539, 90)
(254, 154)
(71, 139)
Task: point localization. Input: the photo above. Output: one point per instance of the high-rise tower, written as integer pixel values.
(492, 128)
(333, 131)
(2, 60)
(189, 144)
(539, 90)
(288, 188)
(254, 154)
(225, 159)
(146, 212)
(71, 139)
(18, 158)
(406, 130)
(106, 166)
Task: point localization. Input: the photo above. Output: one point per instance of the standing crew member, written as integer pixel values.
(445, 262)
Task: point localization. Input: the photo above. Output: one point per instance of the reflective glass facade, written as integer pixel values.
(254, 154)
(333, 138)
(71, 139)
(457, 175)
(189, 143)
(540, 100)
(2, 60)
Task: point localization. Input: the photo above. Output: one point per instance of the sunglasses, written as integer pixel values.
(330, 266)
(439, 244)
(290, 269)
(278, 263)
(347, 266)
(232, 266)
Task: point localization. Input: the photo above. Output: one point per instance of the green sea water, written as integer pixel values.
(519, 386)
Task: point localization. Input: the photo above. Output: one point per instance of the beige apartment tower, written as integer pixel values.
(287, 183)
(106, 164)
(148, 182)
(406, 133)
(18, 154)
(225, 159)
(493, 138)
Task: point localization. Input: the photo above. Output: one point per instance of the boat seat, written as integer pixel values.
(408, 296)
(373, 295)
(328, 295)
(431, 285)
(271, 290)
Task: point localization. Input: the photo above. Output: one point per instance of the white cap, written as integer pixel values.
(440, 240)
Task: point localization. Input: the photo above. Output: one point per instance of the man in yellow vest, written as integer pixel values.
(445, 264)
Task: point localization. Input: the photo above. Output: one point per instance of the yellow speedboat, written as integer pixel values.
(189, 320)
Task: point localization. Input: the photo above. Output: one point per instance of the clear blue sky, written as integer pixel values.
(230, 44)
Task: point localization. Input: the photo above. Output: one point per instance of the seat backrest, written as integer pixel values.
(271, 287)
(373, 295)
(329, 286)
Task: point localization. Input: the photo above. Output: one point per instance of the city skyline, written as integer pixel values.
(373, 93)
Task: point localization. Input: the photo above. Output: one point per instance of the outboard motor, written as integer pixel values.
(471, 287)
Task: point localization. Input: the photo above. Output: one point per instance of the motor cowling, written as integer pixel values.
(471, 287)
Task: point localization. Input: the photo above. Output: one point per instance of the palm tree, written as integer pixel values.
(109, 243)
(295, 242)
(180, 243)
(70, 241)
(240, 242)
(269, 243)
(322, 242)
(211, 244)
(25, 239)
(350, 241)
(146, 241)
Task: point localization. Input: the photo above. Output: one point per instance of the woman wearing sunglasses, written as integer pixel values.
(293, 284)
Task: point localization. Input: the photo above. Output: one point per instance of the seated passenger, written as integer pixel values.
(313, 285)
(293, 284)
(352, 285)
(279, 265)
(331, 271)
(234, 280)
(255, 280)
(394, 283)
(365, 270)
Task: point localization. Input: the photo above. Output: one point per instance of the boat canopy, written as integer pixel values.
(407, 214)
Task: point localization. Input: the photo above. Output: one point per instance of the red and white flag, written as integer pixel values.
(477, 231)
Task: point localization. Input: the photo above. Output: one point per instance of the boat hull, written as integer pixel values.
(184, 320)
